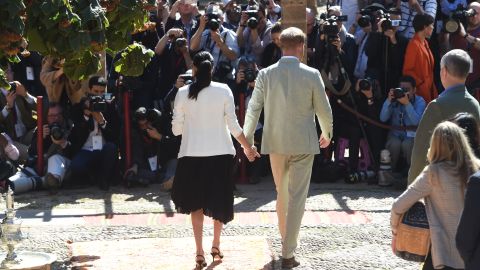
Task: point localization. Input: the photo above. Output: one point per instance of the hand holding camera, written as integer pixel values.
(153, 133)
(365, 86)
(240, 76)
(175, 33)
(398, 94)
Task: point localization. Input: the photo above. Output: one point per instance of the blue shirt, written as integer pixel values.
(403, 115)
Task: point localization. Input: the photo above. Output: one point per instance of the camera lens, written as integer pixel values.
(364, 21)
(252, 23)
(364, 84)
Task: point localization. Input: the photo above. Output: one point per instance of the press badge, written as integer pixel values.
(30, 75)
(97, 142)
(153, 163)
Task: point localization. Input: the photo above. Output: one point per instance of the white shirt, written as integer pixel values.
(206, 123)
(89, 145)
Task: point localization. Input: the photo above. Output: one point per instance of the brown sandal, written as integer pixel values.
(217, 253)
(200, 262)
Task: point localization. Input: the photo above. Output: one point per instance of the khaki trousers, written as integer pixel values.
(291, 174)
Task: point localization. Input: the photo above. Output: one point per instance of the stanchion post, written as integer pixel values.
(126, 117)
(40, 162)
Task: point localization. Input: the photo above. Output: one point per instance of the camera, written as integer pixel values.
(57, 131)
(365, 84)
(250, 74)
(458, 16)
(97, 103)
(342, 18)
(180, 42)
(213, 22)
(359, 176)
(13, 87)
(221, 72)
(187, 78)
(330, 28)
(388, 23)
(399, 93)
(370, 14)
(252, 21)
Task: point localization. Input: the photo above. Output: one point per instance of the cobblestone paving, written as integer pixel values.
(322, 246)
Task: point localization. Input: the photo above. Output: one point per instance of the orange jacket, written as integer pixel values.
(419, 64)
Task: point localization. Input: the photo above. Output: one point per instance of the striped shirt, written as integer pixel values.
(406, 27)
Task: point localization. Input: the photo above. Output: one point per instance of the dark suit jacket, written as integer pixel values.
(468, 232)
(443, 108)
(26, 115)
(82, 127)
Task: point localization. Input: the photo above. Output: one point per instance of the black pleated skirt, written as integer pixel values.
(205, 183)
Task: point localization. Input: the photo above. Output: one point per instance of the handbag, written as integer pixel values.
(413, 234)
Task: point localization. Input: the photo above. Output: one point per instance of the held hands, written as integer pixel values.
(251, 153)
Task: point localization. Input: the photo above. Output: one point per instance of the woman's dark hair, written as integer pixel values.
(421, 21)
(203, 61)
(468, 123)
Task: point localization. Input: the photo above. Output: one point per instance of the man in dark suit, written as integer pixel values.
(95, 136)
(16, 116)
(454, 68)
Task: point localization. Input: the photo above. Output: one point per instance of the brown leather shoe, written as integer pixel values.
(53, 183)
(290, 263)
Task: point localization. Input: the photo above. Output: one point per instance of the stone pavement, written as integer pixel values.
(345, 227)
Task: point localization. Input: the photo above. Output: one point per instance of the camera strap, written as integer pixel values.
(328, 84)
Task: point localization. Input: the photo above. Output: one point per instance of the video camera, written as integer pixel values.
(213, 22)
(57, 131)
(178, 42)
(252, 21)
(330, 26)
(460, 15)
(370, 14)
(388, 23)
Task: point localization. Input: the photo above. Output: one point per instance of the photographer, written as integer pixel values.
(211, 36)
(469, 41)
(253, 32)
(233, 13)
(385, 50)
(188, 10)
(273, 52)
(402, 108)
(174, 58)
(410, 8)
(152, 162)
(16, 116)
(95, 136)
(274, 11)
(57, 147)
(59, 87)
(313, 29)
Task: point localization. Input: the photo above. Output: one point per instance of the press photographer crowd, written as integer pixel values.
(379, 61)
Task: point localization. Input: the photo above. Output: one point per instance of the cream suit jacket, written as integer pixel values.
(291, 94)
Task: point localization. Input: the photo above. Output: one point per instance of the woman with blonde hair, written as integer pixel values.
(442, 185)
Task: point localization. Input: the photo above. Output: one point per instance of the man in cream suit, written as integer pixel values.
(290, 93)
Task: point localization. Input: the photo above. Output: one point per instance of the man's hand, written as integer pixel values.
(20, 89)
(98, 116)
(240, 76)
(153, 133)
(176, 32)
(180, 82)
(11, 96)
(62, 142)
(203, 22)
(216, 37)
(391, 35)
(337, 43)
(46, 131)
(324, 142)
(404, 100)
(243, 18)
(461, 30)
(391, 96)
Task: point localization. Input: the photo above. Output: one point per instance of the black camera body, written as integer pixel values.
(365, 84)
(97, 103)
(330, 28)
(187, 78)
(252, 21)
(57, 131)
(180, 42)
(458, 16)
(250, 74)
(388, 23)
(399, 93)
(222, 70)
(213, 22)
(13, 87)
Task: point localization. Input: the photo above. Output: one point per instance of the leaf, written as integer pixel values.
(133, 60)
(3, 80)
(35, 41)
(79, 41)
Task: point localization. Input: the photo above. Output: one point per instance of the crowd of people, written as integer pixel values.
(400, 75)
